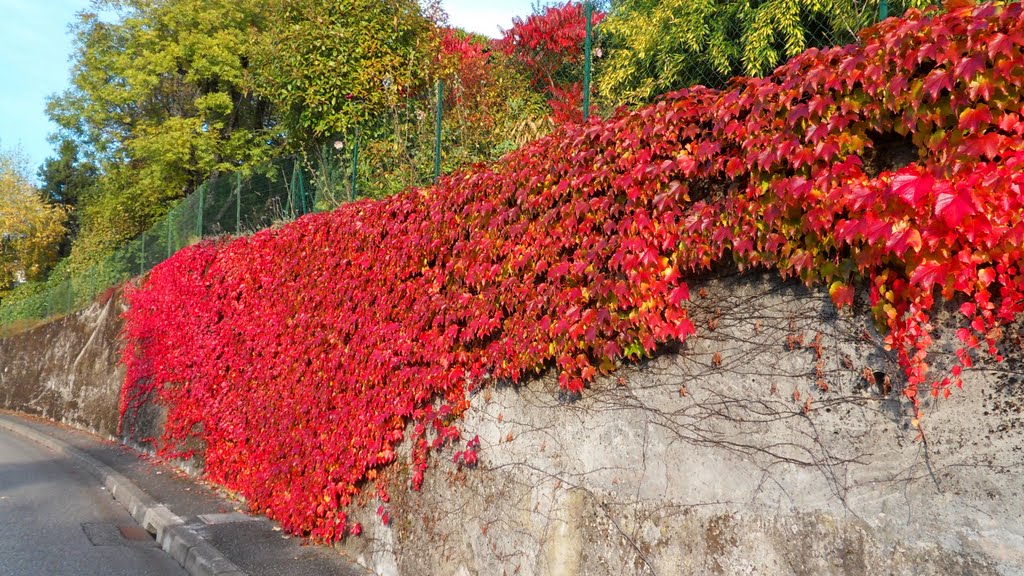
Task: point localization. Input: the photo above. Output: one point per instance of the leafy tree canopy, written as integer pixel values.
(31, 230)
(66, 176)
(656, 46)
(548, 45)
(160, 99)
(330, 65)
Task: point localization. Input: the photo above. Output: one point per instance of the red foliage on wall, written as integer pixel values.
(298, 356)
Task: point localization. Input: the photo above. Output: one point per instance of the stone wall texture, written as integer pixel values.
(722, 456)
(710, 460)
(67, 370)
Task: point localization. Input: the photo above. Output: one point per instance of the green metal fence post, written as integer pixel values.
(302, 187)
(169, 249)
(202, 205)
(292, 184)
(437, 131)
(355, 165)
(142, 254)
(883, 10)
(238, 202)
(587, 49)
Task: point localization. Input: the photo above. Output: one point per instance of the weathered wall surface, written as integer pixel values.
(697, 464)
(690, 463)
(67, 370)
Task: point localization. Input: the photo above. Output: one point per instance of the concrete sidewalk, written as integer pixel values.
(205, 531)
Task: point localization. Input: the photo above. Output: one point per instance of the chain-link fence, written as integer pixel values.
(404, 150)
(229, 204)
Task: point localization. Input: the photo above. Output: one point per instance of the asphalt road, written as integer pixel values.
(56, 520)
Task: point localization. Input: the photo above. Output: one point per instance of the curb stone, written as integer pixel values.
(184, 544)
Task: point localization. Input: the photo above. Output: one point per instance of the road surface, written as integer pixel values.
(56, 520)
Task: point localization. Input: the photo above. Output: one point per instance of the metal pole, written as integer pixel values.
(238, 202)
(355, 165)
(291, 193)
(302, 188)
(202, 206)
(588, 9)
(883, 10)
(437, 132)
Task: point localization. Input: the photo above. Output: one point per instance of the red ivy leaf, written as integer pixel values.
(841, 293)
(987, 276)
(973, 118)
(903, 237)
(953, 204)
(912, 187)
(680, 294)
(970, 66)
(928, 274)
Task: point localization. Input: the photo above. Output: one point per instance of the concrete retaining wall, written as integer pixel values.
(67, 370)
(705, 460)
(697, 464)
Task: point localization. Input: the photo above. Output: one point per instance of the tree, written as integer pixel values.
(64, 179)
(161, 98)
(65, 176)
(31, 230)
(490, 105)
(549, 46)
(488, 108)
(332, 65)
(656, 46)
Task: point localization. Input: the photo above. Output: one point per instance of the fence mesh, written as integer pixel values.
(228, 204)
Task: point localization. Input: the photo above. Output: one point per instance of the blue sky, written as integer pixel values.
(35, 48)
